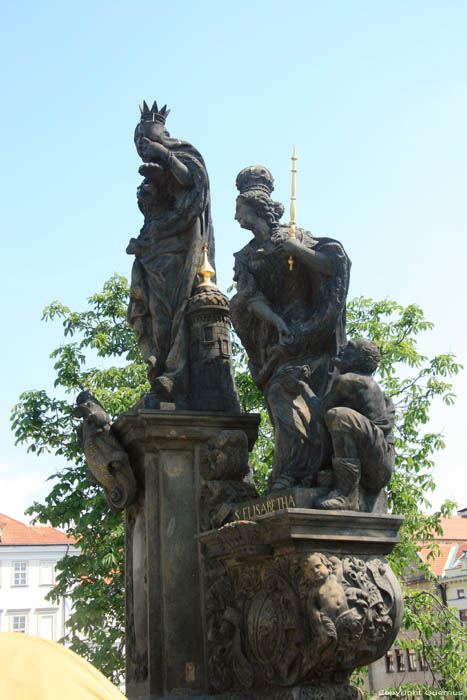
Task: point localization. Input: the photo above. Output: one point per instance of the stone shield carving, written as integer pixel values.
(298, 620)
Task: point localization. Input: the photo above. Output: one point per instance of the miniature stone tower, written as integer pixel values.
(211, 372)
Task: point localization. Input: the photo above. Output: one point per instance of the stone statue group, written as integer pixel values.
(292, 598)
(332, 424)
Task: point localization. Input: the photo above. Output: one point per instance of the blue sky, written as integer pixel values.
(373, 95)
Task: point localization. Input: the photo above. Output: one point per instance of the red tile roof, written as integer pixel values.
(14, 532)
(438, 563)
(454, 529)
(457, 564)
(454, 533)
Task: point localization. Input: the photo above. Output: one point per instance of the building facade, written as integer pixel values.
(28, 557)
(446, 578)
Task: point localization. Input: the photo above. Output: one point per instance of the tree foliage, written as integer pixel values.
(100, 355)
(439, 639)
(46, 424)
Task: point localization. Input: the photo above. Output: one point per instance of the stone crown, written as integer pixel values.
(153, 114)
(255, 177)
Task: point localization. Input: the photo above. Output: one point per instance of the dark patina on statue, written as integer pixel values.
(107, 460)
(332, 424)
(360, 420)
(284, 595)
(174, 198)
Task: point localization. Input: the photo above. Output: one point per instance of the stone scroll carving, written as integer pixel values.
(108, 463)
(299, 620)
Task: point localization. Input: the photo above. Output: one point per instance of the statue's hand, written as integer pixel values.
(285, 335)
(289, 246)
(150, 171)
(151, 151)
(279, 237)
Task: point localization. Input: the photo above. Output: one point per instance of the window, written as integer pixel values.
(46, 626)
(411, 660)
(208, 334)
(463, 617)
(46, 573)
(18, 623)
(460, 593)
(20, 573)
(389, 662)
(223, 347)
(400, 660)
(422, 663)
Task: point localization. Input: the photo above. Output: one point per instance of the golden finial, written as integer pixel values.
(292, 204)
(206, 270)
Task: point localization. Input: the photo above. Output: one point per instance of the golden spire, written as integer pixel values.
(206, 270)
(292, 204)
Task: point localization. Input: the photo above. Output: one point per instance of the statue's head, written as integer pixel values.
(86, 404)
(316, 568)
(255, 185)
(151, 125)
(358, 355)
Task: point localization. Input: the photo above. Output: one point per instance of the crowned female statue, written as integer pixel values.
(291, 323)
(174, 199)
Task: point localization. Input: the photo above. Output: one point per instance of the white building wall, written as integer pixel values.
(25, 603)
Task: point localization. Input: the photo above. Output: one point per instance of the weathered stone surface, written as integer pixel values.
(291, 324)
(332, 424)
(186, 369)
(164, 614)
(295, 529)
(226, 473)
(360, 420)
(280, 499)
(229, 595)
(287, 605)
(108, 463)
(212, 383)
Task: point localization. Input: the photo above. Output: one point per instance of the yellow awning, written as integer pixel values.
(36, 669)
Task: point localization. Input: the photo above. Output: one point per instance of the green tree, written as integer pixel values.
(46, 424)
(439, 639)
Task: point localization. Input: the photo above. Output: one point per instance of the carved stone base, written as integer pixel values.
(332, 691)
(281, 607)
(298, 599)
(164, 612)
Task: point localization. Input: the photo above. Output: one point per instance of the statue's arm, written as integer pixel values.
(308, 256)
(337, 394)
(164, 157)
(255, 301)
(311, 258)
(263, 311)
(179, 170)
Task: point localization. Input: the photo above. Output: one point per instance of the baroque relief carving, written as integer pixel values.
(224, 467)
(297, 620)
(108, 462)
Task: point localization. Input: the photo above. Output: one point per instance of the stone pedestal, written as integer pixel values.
(296, 599)
(282, 603)
(165, 629)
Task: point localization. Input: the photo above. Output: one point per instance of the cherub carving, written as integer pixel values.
(336, 610)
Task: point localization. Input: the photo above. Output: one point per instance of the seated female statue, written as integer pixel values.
(291, 323)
